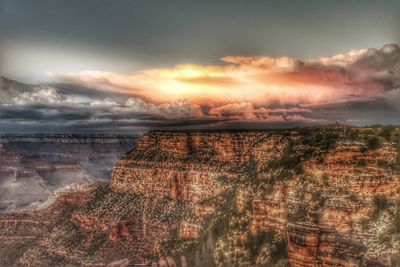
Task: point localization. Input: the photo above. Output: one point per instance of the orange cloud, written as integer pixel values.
(246, 111)
(260, 81)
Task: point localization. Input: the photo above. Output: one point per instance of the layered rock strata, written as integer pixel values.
(288, 194)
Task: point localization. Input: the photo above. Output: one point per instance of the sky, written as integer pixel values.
(121, 66)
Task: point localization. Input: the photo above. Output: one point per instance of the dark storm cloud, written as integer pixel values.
(25, 120)
(360, 113)
(128, 35)
(73, 89)
(43, 113)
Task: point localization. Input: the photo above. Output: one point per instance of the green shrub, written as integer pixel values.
(254, 242)
(362, 163)
(373, 142)
(220, 226)
(365, 223)
(299, 169)
(325, 179)
(279, 251)
(383, 163)
(283, 175)
(223, 179)
(353, 134)
(251, 169)
(320, 160)
(381, 203)
(387, 132)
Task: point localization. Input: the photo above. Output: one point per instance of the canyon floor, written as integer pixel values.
(305, 197)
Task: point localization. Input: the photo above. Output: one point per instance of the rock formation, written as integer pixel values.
(302, 198)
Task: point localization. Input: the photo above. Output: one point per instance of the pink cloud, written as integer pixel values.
(248, 87)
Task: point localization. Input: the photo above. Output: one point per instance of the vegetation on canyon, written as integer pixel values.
(299, 197)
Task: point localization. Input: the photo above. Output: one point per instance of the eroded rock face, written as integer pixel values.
(91, 228)
(183, 165)
(173, 184)
(328, 232)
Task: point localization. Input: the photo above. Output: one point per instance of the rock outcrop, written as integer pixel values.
(183, 165)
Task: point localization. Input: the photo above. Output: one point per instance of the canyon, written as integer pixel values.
(304, 197)
(35, 168)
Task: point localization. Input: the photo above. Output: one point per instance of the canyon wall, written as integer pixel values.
(251, 198)
(317, 211)
(33, 167)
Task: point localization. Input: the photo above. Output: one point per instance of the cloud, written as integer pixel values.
(361, 86)
(41, 95)
(341, 60)
(179, 109)
(245, 111)
(18, 94)
(104, 103)
(359, 74)
(393, 98)
(265, 63)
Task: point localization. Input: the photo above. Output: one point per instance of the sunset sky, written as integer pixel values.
(128, 66)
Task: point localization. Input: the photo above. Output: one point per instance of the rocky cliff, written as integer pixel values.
(305, 197)
(182, 165)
